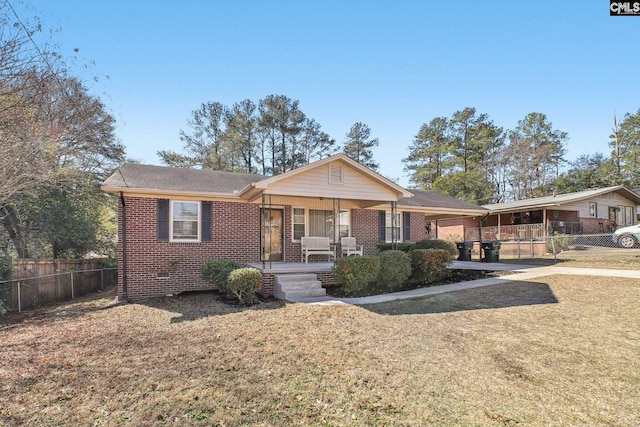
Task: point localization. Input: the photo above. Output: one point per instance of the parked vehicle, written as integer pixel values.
(627, 237)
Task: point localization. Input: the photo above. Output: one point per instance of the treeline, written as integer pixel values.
(466, 155)
(269, 137)
(57, 143)
(469, 157)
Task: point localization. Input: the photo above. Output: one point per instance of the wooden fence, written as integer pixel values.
(39, 282)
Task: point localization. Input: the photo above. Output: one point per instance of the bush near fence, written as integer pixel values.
(39, 282)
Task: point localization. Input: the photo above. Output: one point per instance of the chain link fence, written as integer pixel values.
(554, 246)
(30, 292)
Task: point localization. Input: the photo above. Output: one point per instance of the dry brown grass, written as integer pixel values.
(562, 351)
(588, 257)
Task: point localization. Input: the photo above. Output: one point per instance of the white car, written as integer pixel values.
(627, 237)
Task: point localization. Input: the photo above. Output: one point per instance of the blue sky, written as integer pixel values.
(392, 65)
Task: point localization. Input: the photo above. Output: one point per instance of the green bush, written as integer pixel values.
(437, 244)
(428, 266)
(395, 269)
(217, 271)
(356, 273)
(243, 284)
(400, 246)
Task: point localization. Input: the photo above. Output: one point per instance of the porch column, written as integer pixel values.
(263, 215)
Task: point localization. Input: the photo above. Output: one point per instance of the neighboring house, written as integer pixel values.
(584, 212)
(171, 220)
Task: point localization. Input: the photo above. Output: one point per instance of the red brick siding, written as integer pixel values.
(235, 235)
(451, 229)
(267, 284)
(364, 227)
(418, 223)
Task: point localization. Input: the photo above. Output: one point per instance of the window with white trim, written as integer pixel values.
(345, 223)
(299, 223)
(319, 223)
(185, 221)
(393, 230)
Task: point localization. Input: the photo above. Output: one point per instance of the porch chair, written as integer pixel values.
(349, 246)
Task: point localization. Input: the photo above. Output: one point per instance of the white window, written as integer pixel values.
(393, 228)
(319, 223)
(345, 223)
(299, 223)
(185, 221)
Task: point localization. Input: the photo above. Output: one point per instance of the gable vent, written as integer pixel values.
(335, 174)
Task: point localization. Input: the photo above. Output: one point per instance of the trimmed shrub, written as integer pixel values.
(437, 244)
(217, 271)
(400, 246)
(243, 284)
(429, 265)
(355, 273)
(395, 269)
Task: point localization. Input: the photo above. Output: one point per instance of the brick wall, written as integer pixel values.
(418, 224)
(236, 235)
(364, 227)
(235, 232)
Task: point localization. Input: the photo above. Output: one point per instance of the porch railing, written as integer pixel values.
(565, 227)
(506, 232)
(522, 232)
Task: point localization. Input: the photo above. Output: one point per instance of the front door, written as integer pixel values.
(272, 234)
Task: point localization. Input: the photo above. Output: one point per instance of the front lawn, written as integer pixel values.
(557, 351)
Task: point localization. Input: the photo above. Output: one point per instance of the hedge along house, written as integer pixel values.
(532, 220)
(172, 220)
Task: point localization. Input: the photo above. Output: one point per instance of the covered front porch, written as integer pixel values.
(531, 225)
(333, 198)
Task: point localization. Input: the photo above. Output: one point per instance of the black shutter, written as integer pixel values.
(205, 222)
(406, 223)
(163, 220)
(382, 227)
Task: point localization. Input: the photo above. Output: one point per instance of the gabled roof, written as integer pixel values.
(560, 199)
(264, 185)
(133, 177)
(439, 206)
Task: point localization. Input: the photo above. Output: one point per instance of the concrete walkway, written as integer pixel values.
(523, 272)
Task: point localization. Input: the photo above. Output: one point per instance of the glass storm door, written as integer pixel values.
(272, 234)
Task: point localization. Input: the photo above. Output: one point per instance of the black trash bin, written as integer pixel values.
(464, 250)
(491, 251)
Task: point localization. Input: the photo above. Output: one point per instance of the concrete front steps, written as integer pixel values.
(295, 287)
